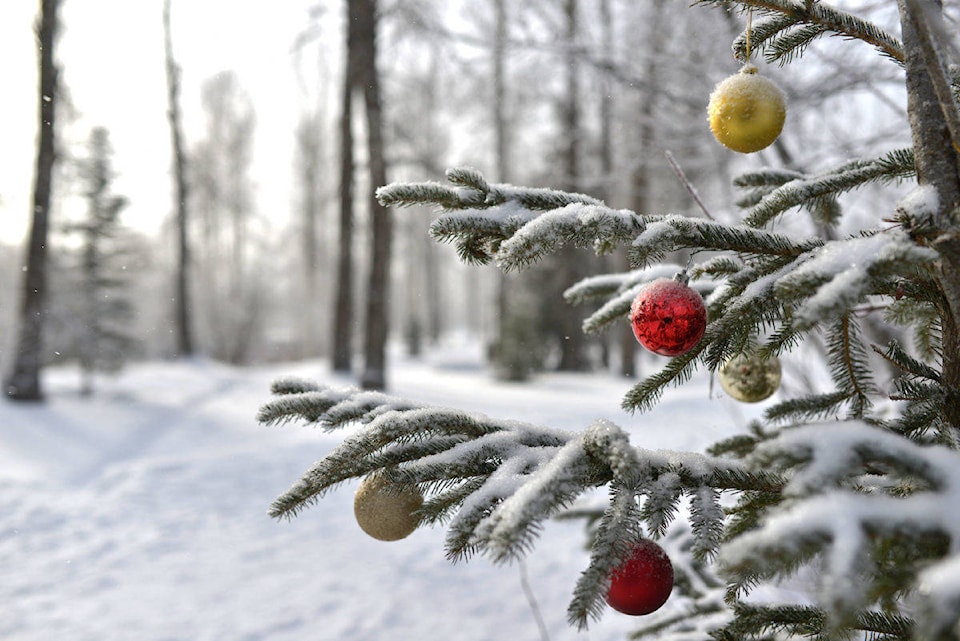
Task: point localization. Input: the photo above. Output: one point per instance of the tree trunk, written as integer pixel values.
(343, 311)
(182, 320)
(378, 290)
(23, 384)
(937, 165)
(573, 343)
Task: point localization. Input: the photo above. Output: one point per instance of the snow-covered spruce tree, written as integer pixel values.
(858, 486)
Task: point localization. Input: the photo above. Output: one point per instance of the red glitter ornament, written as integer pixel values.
(643, 582)
(668, 317)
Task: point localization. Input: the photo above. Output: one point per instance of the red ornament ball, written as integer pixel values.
(668, 317)
(643, 582)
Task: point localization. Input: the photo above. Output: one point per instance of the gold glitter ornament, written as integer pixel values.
(746, 111)
(386, 511)
(749, 378)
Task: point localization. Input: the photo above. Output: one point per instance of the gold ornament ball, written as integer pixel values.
(386, 511)
(749, 378)
(746, 111)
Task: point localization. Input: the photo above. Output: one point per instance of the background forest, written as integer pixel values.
(603, 97)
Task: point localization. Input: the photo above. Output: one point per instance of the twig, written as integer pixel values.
(532, 600)
(686, 183)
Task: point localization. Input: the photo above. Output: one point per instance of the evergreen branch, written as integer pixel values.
(517, 226)
(409, 194)
(749, 511)
(332, 408)
(921, 315)
(808, 407)
(699, 610)
(717, 266)
(662, 504)
(822, 15)
(832, 279)
(894, 165)
(706, 519)
(644, 395)
(895, 355)
(766, 178)
(497, 481)
(925, 411)
(617, 531)
(812, 622)
(670, 233)
(791, 43)
(848, 362)
(559, 481)
(832, 513)
(439, 507)
(577, 224)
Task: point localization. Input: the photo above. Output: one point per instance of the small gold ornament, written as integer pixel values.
(385, 511)
(749, 378)
(746, 111)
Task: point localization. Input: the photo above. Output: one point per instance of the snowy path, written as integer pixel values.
(140, 515)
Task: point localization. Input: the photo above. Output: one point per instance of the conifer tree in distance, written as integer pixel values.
(856, 486)
(100, 305)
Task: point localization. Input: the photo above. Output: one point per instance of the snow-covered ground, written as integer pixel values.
(140, 514)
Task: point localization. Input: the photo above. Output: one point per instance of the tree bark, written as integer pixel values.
(938, 165)
(343, 309)
(182, 320)
(378, 290)
(23, 383)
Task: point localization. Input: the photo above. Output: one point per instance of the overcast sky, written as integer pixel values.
(111, 54)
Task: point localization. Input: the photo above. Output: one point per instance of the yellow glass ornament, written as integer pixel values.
(746, 111)
(749, 378)
(385, 511)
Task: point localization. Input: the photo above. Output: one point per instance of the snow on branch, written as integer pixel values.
(789, 25)
(855, 493)
(513, 225)
(833, 278)
(516, 226)
(801, 191)
(495, 481)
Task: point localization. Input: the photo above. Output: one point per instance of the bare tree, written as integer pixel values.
(182, 316)
(573, 356)
(232, 310)
(23, 383)
(376, 325)
(343, 309)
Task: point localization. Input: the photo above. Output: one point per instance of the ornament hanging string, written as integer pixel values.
(749, 29)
